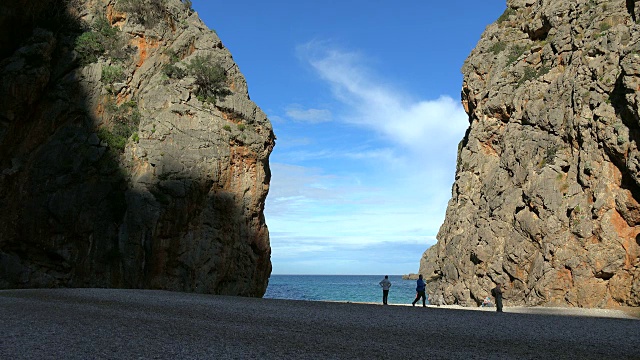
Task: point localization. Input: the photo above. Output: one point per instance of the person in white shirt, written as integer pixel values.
(385, 284)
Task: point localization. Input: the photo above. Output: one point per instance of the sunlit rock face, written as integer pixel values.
(119, 167)
(547, 189)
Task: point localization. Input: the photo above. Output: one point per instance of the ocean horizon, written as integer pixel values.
(344, 288)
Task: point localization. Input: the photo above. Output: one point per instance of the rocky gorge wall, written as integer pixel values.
(130, 153)
(547, 187)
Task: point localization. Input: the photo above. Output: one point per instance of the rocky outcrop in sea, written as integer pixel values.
(547, 187)
(130, 153)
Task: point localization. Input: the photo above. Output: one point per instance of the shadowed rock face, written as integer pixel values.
(547, 189)
(113, 173)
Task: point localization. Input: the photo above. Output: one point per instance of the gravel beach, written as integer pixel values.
(146, 324)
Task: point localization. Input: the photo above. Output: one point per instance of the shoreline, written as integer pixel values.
(125, 324)
(621, 313)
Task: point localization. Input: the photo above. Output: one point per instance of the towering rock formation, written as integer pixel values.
(130, 153)
(547, 189)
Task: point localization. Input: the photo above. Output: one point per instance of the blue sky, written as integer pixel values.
(364, 98)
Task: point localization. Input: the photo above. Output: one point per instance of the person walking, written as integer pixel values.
(497, 293)
(420, 289)
(385, 284)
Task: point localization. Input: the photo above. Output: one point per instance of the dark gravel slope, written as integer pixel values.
(141, 324)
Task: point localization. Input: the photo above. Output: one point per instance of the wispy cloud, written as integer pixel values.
(418, 124)
(314, 116)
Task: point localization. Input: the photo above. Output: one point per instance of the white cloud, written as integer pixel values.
(314, 116)
(421, 125)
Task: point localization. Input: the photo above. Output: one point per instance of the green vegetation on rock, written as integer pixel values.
(101, 39)
(498, 47)
(112, 74)
(171, 70)
(529, 74)
(124, 121)
(505, 15)
(210, 78)
(89, 47)
(148, 12)
(515, 52)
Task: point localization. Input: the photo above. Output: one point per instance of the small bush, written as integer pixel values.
(104, 28)
(171, 70)
(210, 78)
(174, 72)
(498, 47)
(112, 74)
(227, 127)
(544, 70)
(147, 12)
(506, 14)
(113, 141)
(515, 53)
(129, 113)
(529, 73)
(174, 57)
(124, 121)
(241, 127)
(113, 43)
(89, 47)
(102, 38)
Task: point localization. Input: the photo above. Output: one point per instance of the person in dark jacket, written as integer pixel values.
(420, 289)
(497, 293)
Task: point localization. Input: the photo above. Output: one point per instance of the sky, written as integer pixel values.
(364, 99)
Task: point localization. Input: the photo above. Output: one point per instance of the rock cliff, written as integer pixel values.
(130, 153)
(547, 187)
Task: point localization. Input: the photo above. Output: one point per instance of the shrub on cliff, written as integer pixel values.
(148, 13)
(89, 47)
(211, 78)
(102, 38)
(171, 70)
(112, 74)
(506, 15)
(123, 123)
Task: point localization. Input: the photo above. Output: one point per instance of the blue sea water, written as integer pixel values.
(348, 288)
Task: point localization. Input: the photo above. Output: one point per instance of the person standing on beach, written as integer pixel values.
(497, 293)
(420, 288)
(385, 284)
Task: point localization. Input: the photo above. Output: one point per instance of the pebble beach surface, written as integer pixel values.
(149, 324)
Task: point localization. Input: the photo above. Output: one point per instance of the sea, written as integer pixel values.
(343, 288)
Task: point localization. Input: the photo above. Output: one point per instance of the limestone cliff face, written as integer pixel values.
(130, 152)
(547, 189)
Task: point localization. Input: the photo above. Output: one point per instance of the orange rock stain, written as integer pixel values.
(144, 45)
(565, 277)
(488, 148)
(627, 235)
(115, 17)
